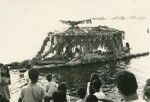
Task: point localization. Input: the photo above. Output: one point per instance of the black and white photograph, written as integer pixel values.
(74, 50)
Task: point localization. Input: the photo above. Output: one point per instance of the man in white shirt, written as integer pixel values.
(99, 94)
(33, 92)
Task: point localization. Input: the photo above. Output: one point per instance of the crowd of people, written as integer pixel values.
(52, 92)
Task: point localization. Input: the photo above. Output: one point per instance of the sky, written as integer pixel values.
(25, 23)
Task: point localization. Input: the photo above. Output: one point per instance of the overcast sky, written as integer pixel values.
(25, 23)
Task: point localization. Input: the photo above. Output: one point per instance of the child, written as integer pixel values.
(51, 86)
(81, 94)
(33, 92)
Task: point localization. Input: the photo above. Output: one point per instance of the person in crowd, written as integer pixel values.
(91, 98)
(77, 53)
(33, 92)
(127, 48)
(2, 98)
(147, 84)
(96, 86)
(4, 82)
(62, 87)
(146, 90)
(99, 94)
(146, 94)
(59, 96)
(68, 53)
(51, 86)
(90, 89)
(127, 86)
(26, 76)
(81, 94)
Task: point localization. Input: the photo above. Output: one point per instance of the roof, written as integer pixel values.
(89, 31)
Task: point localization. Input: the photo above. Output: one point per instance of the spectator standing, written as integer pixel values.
(4, 82)
(59, 96)
(96, 86)
(146, 95)
(127, 86)
(62, 87)
(90, 89)
(82, 94)
(51, 86)
(33, 92)
(26, 76)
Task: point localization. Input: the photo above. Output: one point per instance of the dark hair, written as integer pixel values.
(59, 96)
(91, 98)
(147, 93)
(62, 87)
(96, 84)
(81, 92)
(126, 83)
(127, 45)
(7, 74)
(94, 76)
(49, 77)
(33, 74)
(1, 64)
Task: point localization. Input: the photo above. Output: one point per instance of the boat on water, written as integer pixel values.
(81, 45)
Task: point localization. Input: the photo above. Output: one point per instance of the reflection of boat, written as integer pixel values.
(98, 44)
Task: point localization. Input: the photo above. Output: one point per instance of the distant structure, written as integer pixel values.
(87, 39)
(75, 23)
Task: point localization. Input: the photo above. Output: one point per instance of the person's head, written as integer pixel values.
(1, 65)
(96, 84)
(126, 83)
(81, 93)
(28, 66)
(94, 76)
(59, 96)
(49, 77)
(147, 94)
(5, 71)
(91, 98)
(33, 75)
(62, 87)
(127, 45)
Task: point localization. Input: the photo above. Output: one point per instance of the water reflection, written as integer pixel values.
(79, 76)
